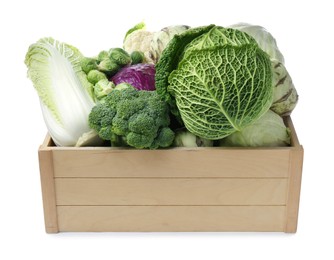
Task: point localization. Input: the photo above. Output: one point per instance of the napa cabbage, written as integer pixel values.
(65, 94)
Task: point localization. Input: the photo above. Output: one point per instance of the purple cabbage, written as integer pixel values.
(141, 76)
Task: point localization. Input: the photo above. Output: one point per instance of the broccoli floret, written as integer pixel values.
(138, 118)
(164, 136)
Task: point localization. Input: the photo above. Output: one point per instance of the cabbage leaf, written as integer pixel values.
(65, 94)
(222, 88)
(268, 131)
(264, 39)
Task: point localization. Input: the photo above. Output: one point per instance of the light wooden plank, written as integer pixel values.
(207, 162)
(171, 218)
(180, 191)
(48, 190)
(295, 171)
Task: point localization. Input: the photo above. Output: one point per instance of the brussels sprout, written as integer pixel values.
(285, 95)
(94, 76)
(108, 66)
(102, 56)
(103, 88)
(137, 57)
(88, 64)
(119, 56)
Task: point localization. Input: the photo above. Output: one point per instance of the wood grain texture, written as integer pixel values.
(293, 195)
(207, 162)
(171, 218)
(48, 190)
(170, 191)
(295, 178)
(177, 189)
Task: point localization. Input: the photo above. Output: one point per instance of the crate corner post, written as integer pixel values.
(48, 187)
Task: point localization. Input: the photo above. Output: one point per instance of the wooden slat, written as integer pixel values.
(295, 171)
(48, 190)
(171, 191)
(207, 162)
(171, 218)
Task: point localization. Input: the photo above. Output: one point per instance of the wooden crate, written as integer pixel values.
(177, 189)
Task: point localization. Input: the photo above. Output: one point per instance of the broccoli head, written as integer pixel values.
(137, 118)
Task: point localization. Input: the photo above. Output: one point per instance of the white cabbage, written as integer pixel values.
(263, 38)
(269, 130)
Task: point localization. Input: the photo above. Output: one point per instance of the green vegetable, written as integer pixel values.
(107, 62)
(269, 130)
(169, 61)
(94, 76)
(220, 80)
(102, 88)
(88, 64)
(66, 95)
(183, 138)
(221, 90)
(119, 56)
(264, 39)
(137, 118)
(102, 56)
(285, 94)
(137, 57)
(218, 36)
(108, 66)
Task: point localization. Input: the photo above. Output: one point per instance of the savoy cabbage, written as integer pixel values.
(222, 83)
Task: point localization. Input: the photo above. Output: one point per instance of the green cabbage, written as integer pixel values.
(269, 130)
(285, 94)
(264, 38)
(222, 84)
(169, 61)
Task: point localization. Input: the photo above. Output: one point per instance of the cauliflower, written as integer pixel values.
(139, 40)
(151, 44)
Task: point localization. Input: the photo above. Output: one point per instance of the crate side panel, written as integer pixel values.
(170, 191)
(294, 187)
(171, 218)
(172, 163)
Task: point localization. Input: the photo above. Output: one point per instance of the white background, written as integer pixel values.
(304, 34)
